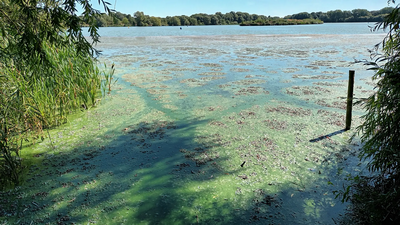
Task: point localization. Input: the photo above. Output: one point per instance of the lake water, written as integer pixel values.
(327, 28)
(211, 125)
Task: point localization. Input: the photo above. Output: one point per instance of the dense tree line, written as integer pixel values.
(140, 19)
(280, 21)
(355, 15)
(234, 18)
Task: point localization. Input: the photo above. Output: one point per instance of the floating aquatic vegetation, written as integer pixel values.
(128, 58)
(290, 70)
(252, 76)
(238, 59)
(181, 94)
(243, 64)
(145, 132)
(247, 158)
(295, 53)
(332, 118)
(289, 111)
(211, 64)
(331, 84)
(156, 91)
(163, 98)
(276, 124)
(271, 71)
(331, 72)
(241, 70)
(246, 57)
(212, 74)
(331, 94)
(306, 90)
(210, 78)
(150, 64)
(192, 82)
(179, 69)
(369, 82)
(249, 82)
(311, 67)
(316, 77)
(169, 62)
(322, 63)
(224, 85)
(251, 90)
(251, 50)
(172, 107)
(334, 104)
(217, 123)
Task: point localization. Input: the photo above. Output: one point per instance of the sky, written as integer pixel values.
(281, 8)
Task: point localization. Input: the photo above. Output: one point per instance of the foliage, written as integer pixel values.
(355, 15)
(47, 71)
(280, 21)
(234, 18)
(141, 19)
(376, 198)
(25, 25)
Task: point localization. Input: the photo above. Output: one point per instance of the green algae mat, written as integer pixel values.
(204, 130)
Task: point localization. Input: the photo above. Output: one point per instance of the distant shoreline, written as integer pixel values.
(140, 19)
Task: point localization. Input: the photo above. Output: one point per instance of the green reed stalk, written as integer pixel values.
(35, 95)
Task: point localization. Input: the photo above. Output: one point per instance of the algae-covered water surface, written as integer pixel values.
(204, 129)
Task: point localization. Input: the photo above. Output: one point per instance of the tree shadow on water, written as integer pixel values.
(158, 173)
(138, 177)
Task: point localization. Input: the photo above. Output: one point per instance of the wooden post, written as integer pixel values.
(349, 100)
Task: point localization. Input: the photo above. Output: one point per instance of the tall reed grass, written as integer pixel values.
(37, 94)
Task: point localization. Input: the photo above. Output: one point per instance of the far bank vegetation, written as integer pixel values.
(118, 19)
(279, 21)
